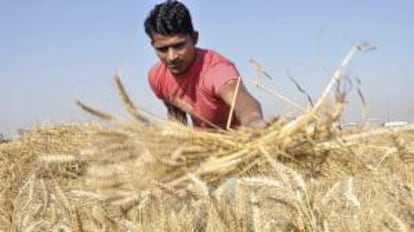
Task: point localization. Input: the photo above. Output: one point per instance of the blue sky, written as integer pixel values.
(54, 52)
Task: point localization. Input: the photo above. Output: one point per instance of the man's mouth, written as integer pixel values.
(175, 65)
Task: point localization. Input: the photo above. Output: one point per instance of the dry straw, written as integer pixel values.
(149, 174)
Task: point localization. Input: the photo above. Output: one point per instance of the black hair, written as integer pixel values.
(168, 18)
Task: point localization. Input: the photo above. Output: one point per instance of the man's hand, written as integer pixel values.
(259, 124)
(176, 114)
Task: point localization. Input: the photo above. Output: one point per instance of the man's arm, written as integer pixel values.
(247, 109)
(176, 114)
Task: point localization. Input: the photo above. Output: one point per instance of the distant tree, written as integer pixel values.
(21, 131)
(2, 139)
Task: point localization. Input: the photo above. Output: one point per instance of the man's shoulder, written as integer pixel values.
(154, 78)
(213, 57)
(155, 72)
(217, 71)
(156, 69)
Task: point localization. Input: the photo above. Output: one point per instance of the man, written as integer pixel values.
(191, 80)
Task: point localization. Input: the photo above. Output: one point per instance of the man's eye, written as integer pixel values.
(162, 49)
(179, 46)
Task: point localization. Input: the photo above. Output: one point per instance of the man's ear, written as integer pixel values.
(194, 37)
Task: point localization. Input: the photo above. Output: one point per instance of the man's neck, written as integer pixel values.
(183, 73)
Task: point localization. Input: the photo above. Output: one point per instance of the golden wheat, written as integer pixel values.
(148, 174)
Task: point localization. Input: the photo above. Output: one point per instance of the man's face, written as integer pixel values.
(176, 51)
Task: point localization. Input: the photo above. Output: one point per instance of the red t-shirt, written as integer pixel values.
(196, 91)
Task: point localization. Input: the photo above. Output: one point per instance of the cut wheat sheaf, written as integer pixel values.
(150, 174)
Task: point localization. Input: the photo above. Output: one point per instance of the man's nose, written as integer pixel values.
(172, 54)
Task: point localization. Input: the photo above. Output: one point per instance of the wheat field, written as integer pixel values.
(142, 173)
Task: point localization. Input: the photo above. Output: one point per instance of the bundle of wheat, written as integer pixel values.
(148, 174)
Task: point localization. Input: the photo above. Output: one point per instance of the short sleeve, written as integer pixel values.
(218, 75)
(153, 80)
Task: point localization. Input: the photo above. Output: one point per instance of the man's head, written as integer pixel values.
(172, 35)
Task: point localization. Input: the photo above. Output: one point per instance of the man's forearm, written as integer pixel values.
(251, 118)
(251, 113)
